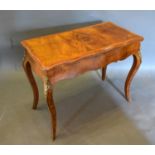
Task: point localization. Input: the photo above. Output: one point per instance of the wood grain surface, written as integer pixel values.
(70, 46)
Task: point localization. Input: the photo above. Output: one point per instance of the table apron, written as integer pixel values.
(71, 70)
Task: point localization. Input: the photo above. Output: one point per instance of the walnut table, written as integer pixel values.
(65, 55)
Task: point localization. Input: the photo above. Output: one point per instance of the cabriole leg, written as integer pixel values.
(28, 71)
(49, 97)
(136, 63)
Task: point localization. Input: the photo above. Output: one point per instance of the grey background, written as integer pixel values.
(18, 25)
(90, 111)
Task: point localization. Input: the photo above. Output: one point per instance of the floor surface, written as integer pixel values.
(89, 110)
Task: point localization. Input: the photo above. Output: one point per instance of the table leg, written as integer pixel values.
(136, 63)
(28, 71)
(104, 72)
(51, 106)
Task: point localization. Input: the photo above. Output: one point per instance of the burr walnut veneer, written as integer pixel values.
(65, 55)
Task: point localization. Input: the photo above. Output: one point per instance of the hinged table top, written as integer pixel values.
(69, 46)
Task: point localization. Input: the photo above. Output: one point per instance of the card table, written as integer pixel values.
(68, 54)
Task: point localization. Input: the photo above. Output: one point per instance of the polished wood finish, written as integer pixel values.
(136, 63)
(28, 71)
(51, 106)
(70, 46)
(66, 55)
